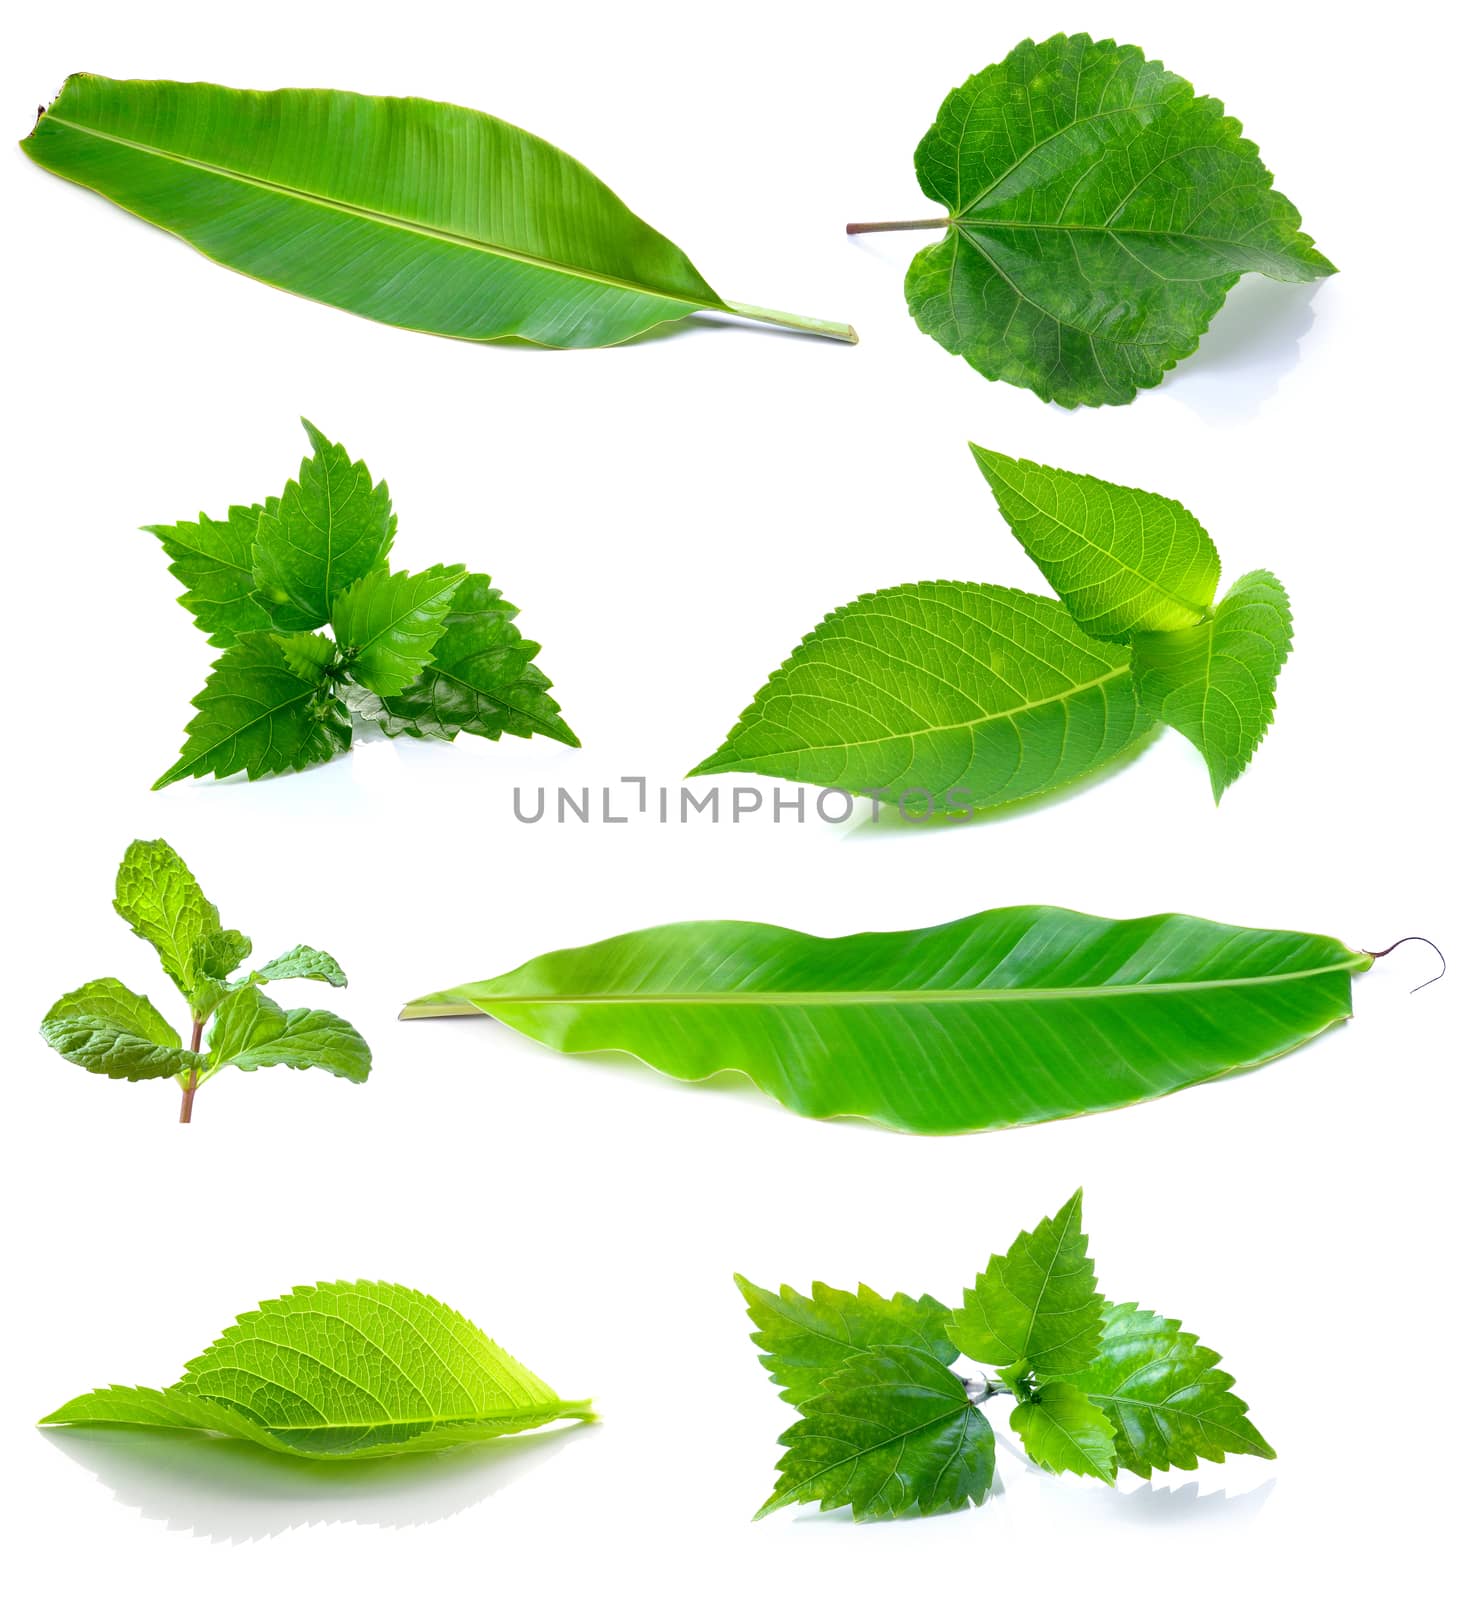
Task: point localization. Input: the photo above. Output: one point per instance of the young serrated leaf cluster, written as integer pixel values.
(888, 1426)
(109, 1029)
(953, 697)
(428, 654)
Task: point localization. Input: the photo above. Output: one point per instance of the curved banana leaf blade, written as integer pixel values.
(941, 696)
(1012, 1016)
(341, 1371)
(423, 215)
(1099, 212)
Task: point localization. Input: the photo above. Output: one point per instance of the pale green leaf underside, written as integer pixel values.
(157, 896)
(388, 624)
(108, 1029)
(1215, 682)
(1064, 1431)
(934, 695)
(1122, 560)
(423, 215)
(806, 1338)
(339, 1371)
(1039, 1303)
(1012, 1016)
(256, 715)
(1169, 1401)
(891, 1430)
(1099, 213)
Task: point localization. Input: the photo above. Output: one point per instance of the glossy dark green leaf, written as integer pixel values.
(424, 215)
(1012, 1016)
(331, 526)
(1170, 1402)
(481, 678)
(257, 716)
(941, 696)
(252, 1031)
(891, 1431)
(1064, 1431)
(1215, 682)
(213, 561)
(1098, 212)
(806, 1338)
(157, 896)
(339, 1371)
(1039, 1304)
(109, 1029)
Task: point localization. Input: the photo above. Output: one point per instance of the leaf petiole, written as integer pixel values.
(898, 227)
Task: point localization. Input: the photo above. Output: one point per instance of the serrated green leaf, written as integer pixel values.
(110, 1030)
(1099, 212)
(252, 1031)
(1123, 561)
(332, 526)
(1011, 1016)
(891, 1430)
(1039, 1303)
(309, 655)
(1169, 1400)
(157, 896)
(423, 215)
(481, 679)
(806, 1339)
(302, 961)
(213, 561)
(1064, 1431)
(1215, 682)
(940, 695)
(257, 716)
(340, 1371)
(388, 624)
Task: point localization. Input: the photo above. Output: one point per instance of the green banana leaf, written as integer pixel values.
(424, 215)
(1012, 1016)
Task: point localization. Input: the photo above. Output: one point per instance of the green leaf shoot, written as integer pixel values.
(432, 653)
(423, 215)
(1016, 1015)
(889, 1424)
(1097, 212)
(339, 1372)
(109, 1029)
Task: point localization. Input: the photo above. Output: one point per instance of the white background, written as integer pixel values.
(672, 516)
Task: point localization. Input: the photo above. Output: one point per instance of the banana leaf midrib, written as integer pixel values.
(407, 226)
(857, 997)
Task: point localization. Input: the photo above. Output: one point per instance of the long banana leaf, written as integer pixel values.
(424, 215)
(1011, 1016)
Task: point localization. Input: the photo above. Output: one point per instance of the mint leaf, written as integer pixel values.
(309, 655)
(940, 696)
(890, 1430)
(339, 1371)
(257, 716)
(481, 679)
(1123, 560)
(157, 896)
(1064, 1431)
(331, 526)
(302, 961)
(252, 1031)
(1215, 682)
(1099, 211)
(807, 1339)
(107, 1028)
(388, 623)
(1038, 1304)
(213, 560)
(1169, 1400)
